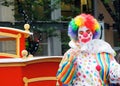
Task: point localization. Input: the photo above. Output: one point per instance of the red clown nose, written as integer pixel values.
(85, 34)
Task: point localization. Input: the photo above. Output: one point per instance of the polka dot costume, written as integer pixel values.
(94, 65)
(87, 74)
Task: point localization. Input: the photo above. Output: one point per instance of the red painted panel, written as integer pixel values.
(8, 30)
(43, 69)
(11, 76)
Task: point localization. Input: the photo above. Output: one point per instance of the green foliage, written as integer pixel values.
(106, 1)
(39, 10)
(34, 9)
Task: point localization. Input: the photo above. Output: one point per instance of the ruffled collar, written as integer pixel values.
(94, 46)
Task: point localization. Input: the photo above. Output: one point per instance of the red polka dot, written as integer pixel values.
(84, 76)
(79, 74)
(98, 68)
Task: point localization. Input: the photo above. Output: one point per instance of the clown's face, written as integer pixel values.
(84, 35)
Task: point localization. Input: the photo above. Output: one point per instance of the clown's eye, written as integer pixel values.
(88, 31)
(81, 32)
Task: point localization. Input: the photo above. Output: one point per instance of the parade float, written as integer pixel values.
(17, 68)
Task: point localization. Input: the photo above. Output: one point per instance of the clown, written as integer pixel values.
(90, 61)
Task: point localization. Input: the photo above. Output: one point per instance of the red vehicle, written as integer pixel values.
(17, 68)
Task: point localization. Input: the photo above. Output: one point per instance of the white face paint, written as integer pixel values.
(84, 35)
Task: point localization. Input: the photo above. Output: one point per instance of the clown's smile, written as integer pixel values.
(85, 40)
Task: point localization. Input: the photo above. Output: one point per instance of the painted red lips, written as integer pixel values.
(85, 40)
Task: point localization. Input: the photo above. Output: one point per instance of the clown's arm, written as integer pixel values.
(114, 71)
(66, 71)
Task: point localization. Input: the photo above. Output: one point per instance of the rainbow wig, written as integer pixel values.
(83, 20)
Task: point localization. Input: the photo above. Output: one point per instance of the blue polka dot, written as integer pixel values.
(87, 72)
(80, 66)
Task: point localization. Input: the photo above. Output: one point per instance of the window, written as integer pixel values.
(9, 44)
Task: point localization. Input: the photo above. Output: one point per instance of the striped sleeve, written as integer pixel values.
(66, 71)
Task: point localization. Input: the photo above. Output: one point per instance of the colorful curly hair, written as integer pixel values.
(83, 20)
